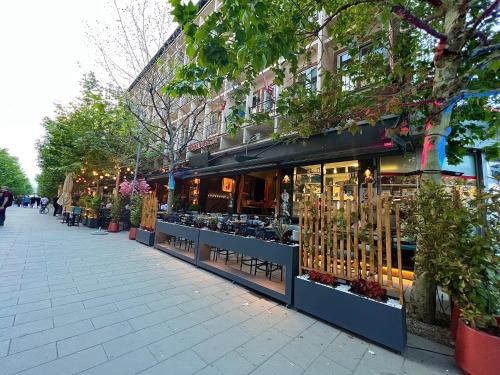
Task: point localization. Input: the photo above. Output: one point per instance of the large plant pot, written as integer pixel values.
(113, 227)
(380, 322)
(91, 222)
(145, 237)
(132, 233)
(477, 352)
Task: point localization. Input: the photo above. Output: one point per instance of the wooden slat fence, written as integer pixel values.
(352, 238)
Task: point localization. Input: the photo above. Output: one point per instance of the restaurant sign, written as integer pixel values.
(202, 144)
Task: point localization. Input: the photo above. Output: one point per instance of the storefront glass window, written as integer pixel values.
(307, 180)
(340, 174)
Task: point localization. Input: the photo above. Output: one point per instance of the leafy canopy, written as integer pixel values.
(92, 134)
(12, 175)
(421, 57)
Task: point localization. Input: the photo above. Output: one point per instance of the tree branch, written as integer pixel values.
(418, 23)
(487, 12)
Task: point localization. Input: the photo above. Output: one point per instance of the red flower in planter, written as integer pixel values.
(370, 289)
(322, 278)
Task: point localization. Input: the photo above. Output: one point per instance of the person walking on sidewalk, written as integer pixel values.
(6, 199)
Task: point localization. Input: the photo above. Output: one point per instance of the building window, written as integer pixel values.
(344, 61)
(310, 79)
(213, 124)
(263, 100)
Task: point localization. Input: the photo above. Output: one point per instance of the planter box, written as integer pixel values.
(379, 322)
(164, 229)
(145, 237)
(285, 255)
(91, 222)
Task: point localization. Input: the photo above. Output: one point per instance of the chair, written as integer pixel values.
(74, 216)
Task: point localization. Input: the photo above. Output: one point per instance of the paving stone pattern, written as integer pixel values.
(76, 303)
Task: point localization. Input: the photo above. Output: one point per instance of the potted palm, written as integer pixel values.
(116, 209)
(135, 216)
(460, 237)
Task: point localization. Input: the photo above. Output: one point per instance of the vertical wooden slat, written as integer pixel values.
(398, 250)
(306, 232)
(335, 237)
(370, 222)
(329, 230)
(316, 233)
(323, 232)
(388, 240)
(342, 229)
(310, 254)
(301, 223)
(379, 240)
(363, 240)
(356, 226)
(348, 229)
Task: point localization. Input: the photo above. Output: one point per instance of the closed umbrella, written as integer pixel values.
(65, 198)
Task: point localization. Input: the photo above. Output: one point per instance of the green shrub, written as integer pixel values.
(458, 245)
(136, 211)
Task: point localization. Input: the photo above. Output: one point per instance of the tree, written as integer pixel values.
(12, 175)
(141, 62)
(434, 63)
(92, 134)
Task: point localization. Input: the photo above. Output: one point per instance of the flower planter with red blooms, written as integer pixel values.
(477, 352)
(132, 233)
(381, 322)
(113, 227)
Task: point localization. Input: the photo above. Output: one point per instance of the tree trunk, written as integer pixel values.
(117, 184)
(446, 85)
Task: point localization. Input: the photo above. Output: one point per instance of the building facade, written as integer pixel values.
(252, 172)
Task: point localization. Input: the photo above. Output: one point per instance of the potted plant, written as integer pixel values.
(135, 216)
(194, 207)
(146, 232)
(282, 232)
(84, 203)
(212, 223)
(116, 209)
(92, 211)
(461, 246)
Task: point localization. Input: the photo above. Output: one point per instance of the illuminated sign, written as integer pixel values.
(227, 185)
(202, 144)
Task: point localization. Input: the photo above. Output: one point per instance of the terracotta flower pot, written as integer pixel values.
(477, 352)
(132, 233)
(113, 227)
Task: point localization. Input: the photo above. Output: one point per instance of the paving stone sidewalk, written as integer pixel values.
(76, 303)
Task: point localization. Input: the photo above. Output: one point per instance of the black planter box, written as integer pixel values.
(164, 229)
(145, 237)
(286, 255)
(378, 322)
(91, 222)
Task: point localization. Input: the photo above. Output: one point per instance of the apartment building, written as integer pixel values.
(252, 172)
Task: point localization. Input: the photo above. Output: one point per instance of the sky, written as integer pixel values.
(45, 51)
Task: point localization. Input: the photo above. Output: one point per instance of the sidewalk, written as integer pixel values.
(72, 302)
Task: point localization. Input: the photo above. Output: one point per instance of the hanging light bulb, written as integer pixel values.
(106, 174)
(101, 177)
(128, 169)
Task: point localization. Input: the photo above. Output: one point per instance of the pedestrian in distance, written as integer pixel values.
(6, 199)
(56, 206)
